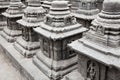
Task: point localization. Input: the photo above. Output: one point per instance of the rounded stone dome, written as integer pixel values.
(111, 6)
(88, 0)
(34, 2)
(59, 8)
(34, 12)
(59, 5)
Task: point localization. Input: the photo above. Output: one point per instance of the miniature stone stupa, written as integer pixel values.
(28, 43)
(86, 12)
(59, 28)
(13, 13)
(3, 6)
(99, 49)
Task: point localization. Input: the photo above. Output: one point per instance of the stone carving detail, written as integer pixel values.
(88, 4)
(68, 20)
(106, 25)
(25, 34)
(91, 70)
(46, 48)
(48, 20)
(100, 45)
(100, 30)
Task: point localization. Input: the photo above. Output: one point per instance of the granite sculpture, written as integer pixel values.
(28, 44)
(59, 28)
(13, 13)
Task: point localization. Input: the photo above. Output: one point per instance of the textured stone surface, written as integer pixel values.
(86, 12)
(7, 71)
(3, 6)
(98, 50)
(59, 28)
(28, 44)
(13, 13)
(23, 65)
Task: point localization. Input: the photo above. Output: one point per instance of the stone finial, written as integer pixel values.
(15, 9)
(34, 13)
(59, 15)
(59, 8)
(111, 6)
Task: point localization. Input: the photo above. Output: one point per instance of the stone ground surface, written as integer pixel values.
(7, 71)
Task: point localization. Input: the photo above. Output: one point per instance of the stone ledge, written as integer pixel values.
(24, 65)
(74, 75)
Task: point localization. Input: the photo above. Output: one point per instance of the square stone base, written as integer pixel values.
(27, 49)
(54, 69)
(10, 35)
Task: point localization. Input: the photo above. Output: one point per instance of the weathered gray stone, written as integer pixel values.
(100, 4)
(28, 44)
(46, 5)
(3, 6)
(59, 28)
(13, 13)
(22, 64)
(98, 50)
(86, 12)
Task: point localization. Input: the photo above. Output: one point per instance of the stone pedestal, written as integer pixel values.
(13, 13)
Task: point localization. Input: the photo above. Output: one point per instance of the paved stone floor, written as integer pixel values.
(7, 71)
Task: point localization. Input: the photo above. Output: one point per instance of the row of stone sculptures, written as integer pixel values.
(44, 36)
